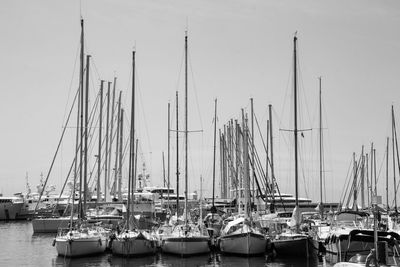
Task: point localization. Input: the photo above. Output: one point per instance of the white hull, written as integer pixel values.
(133, 245)
(50, 225)
(186, 246)
(9, 210)
(74, 247)
(243, 244)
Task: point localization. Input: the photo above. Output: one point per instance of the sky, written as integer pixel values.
(237, 50)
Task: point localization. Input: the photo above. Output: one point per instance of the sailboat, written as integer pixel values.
(241, 236)
(293, 242)
(131, 241)
(185, 239)
(81, 240)
(213, 220)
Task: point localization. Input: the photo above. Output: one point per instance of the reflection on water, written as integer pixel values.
(19, 247)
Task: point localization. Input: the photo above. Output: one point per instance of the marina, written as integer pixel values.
(206, 141)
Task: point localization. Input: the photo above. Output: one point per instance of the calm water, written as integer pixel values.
(20, 247)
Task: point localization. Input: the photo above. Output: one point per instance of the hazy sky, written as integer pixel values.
(237, 49)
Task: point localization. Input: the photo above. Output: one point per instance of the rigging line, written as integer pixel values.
(346, 185)
(93, 63)
(93, 120)
(55, 155)
(302, 89)
(72, 78)
(287, 91)
(380, 168)
(180, 70)
(195, 91)
(141, 101)
(262, 139)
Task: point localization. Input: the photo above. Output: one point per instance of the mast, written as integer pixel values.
(121, 140)
(387, 175)
(81, 120)
(77, 145)
(86, 133)
(133, 155)
(355, 207)
(168, 159)
(272, 209)
(186, 125)
(252, 191)
(177, 158)
(267, 171)
(394, 161)
(100, 140)
(111, 136)
(131, 145)
(362, 169)
(246, 166)
(106, 178)
(214, 158)
(295, 119)
(116, 170)
(320, 143)
(375, 192)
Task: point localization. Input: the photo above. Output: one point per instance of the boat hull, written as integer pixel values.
(80, 247)
(298, 247)
(339, 250)
(243, 244)
(185, 246)
(133, 246)
(9, 210)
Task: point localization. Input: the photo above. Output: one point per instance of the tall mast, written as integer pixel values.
(186, 124)
(252, 191)
(100, 140)
(387, 174)
(267, 175)
(121, 140)
(375, 184)
(177, 158)
(355, 207)
(295, 119)
(106, 178)
(111, 135)
(272, 159)
(372, 171)
(362, 169)
(132, 170)
(77, 145)
(246, 178)
(131, 146)
(320, 143)
(214, 158)
(394, 160)
(168, 159)
(116, 170)
(81, 120)
(86, 133)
